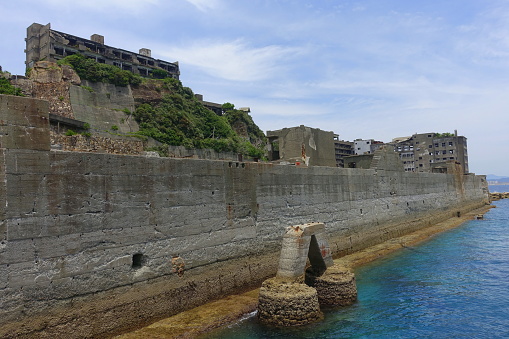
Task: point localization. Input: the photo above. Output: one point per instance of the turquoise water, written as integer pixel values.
(454, 286)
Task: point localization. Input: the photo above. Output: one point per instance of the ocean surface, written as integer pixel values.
(455, 285)
(498, 188)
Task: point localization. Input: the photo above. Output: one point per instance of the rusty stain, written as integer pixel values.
(324, 251)
(178, 265)
(229, 210)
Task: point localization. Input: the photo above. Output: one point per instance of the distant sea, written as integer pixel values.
(455, 285)
(498, 188)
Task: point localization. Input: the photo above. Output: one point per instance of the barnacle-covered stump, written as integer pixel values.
(335, 287)
(283, 303)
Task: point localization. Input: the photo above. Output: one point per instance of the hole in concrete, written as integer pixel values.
(229, 164)
(243, 165)
(138, 260)
(458, 214)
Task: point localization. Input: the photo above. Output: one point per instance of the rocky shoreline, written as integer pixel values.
(205, 318)
(497, 196)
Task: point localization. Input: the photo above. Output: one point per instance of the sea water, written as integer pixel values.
(498, 188)
(455, 285)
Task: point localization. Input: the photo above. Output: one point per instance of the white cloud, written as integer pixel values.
(122, 5)
(204, 5)
(233, 60)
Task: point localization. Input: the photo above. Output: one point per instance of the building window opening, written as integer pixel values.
(72, 42)
(138, 260)
(59, 51)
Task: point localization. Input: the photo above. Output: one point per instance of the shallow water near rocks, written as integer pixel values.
(454, 286)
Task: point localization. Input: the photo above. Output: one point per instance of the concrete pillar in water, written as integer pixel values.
(285, 300)
(285, 303)
(335, 287)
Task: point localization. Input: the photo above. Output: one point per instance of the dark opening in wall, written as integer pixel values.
(138, 260)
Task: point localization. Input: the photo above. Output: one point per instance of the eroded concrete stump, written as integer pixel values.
(295, 295)
(288, 303)
(335, 287)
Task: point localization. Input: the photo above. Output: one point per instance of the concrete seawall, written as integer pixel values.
(99, 243)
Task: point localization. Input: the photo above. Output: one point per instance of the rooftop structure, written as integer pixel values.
(43, 43)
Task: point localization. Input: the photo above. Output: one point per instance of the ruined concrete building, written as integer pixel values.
(302, 146)
(429, 152)
(342, 149)
(43, 43)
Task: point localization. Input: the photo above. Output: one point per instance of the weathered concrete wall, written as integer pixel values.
(305, 144)
(73, 225)
(101, 105)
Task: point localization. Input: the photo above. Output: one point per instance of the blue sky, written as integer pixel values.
(364, 69)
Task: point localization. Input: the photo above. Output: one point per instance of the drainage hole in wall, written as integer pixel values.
(138, 260)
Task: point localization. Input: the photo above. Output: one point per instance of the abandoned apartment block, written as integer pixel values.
(43, 43)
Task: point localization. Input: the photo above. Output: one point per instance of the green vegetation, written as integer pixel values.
(88, 88)
(179, 119)
(7, 88)
(443, 135)
(91, 70)
(70, 132)
(159, 74)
